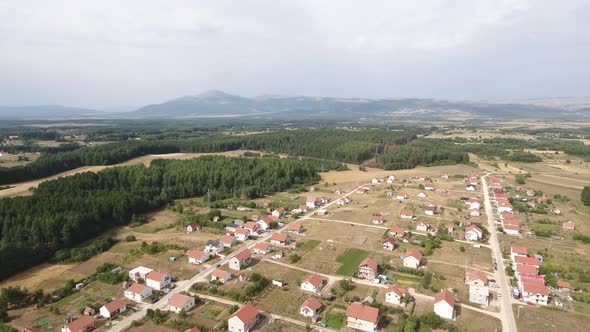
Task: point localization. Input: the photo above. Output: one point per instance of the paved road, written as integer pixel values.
(507, 315)
(201, 276)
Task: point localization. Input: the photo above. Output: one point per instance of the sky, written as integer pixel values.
(117, 54)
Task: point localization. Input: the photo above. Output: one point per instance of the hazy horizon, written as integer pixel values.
(108, 54)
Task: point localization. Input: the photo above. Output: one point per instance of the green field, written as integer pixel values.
(308, 245)
(350, 261)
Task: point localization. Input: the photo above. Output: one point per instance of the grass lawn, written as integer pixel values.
(308, 245)
(335, 319)
(350, 261)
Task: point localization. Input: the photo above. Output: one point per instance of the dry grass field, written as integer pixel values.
(548, 319)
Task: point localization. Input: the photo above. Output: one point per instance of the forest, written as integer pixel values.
(68, 211)
(341, 145)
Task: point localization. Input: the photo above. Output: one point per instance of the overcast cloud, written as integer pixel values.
(115, 53)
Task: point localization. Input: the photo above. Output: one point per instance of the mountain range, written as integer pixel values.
(216, 103)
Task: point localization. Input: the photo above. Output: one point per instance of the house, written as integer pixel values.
(473, 233)
(568, 226)
(444, 305)
(534, 293)
(368, 269)
(241, 260)
(525, 260)
(504, 206)
(278, 212)
(430, 210)
(429, 186)
(311, 202)
(322, 212)
(314, 283)
(251, 227)
(197, 256)
(193, 228)
(279, 239)
(474, 213)
(423, 226)
(470, 188)
(362, 317)
(139, 273)
(242, 234)
(397, 231)
(389, 244)
(278, 255)
(303, 208)
(511, 229)
(295, 228)
(401, 196)
(412, 258)
(310, 308)
(261, 248)
(180, 302)
(473, 203)
(113, 308)
(82, 324)
(518, 251)
(406, 214)
(158, 280)
(478, 288)
(377, 219)
(522, 269)
(88, 311)
(244, 319)
(228, 241)
(563, 285)
(395, 294)
(214, 246)
(376, 181)
(138, 293)
(220, 275)
(390, 179)
(264, 223)
(231, 227)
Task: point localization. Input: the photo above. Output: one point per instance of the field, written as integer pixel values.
(548, 319)
(350, 260)
(13, 160)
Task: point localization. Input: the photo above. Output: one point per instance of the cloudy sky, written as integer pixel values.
(125, 53)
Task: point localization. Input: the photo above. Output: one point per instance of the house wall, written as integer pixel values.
(444, 310)
(360, 324)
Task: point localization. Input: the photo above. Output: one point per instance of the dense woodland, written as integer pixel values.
(64, 213)
(340, 145)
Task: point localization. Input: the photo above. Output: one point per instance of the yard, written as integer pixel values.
(350, 261)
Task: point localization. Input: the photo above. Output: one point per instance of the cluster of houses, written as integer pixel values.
(509, 221)
(471, 182)
(531, 285)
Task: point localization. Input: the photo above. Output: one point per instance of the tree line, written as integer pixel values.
(341, 145)
(63, 213)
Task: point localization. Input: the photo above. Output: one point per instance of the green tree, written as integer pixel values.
(586, 195)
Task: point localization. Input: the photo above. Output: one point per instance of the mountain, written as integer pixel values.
(220, 104)
(46, 112)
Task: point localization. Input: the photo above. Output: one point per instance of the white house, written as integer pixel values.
(395, 293)
(228, 241)
(310, 308)
(473, 203)
(314, 283)
(390, 179)
(422, 194)
(430, 210)
(378, 219)
(478, 288)
(362, 317)
(244, 319)
(242, 234)
(311, 202)
(511, 229)
(368, 269)
(261, 248)
(397, 231)
(214, 246)
(401, 196)
(241, 260)
(139, 273)
(406, 214)
(264, 224)
(423, 226)
(278, 212)
(138, 293)
(429, 186)
(197, 256)
(193, 228)
(412, 258)
(279, 239)
(475, 213)
(113, 308)
(473, 233)
(158, 280)
(568, 226)
(180, 302)
(220, 275)
(535, 293)
(389, 244)
(444, 305)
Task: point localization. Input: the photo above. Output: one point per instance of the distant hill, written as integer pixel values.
(216, 103)
(46, 112)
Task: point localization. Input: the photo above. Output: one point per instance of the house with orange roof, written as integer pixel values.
(473, 233)
(397, 232)
(241, 260)
(295, 228)
(158, 280)
(395, 294)
(535, 293)
(221, 275)
(113, 308)
(180, 302)
(412, 258)
(367, 269)
(138, 293)
(310, 308)
(261, 248)
(518, 251)
(568, 226)
(406, 214)
(242, 234)
(313, 283)
(362, 317)
(244, 319)
(444, 305)
(82, 324)
(197, 256)
(479, 291)
(279, 239)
